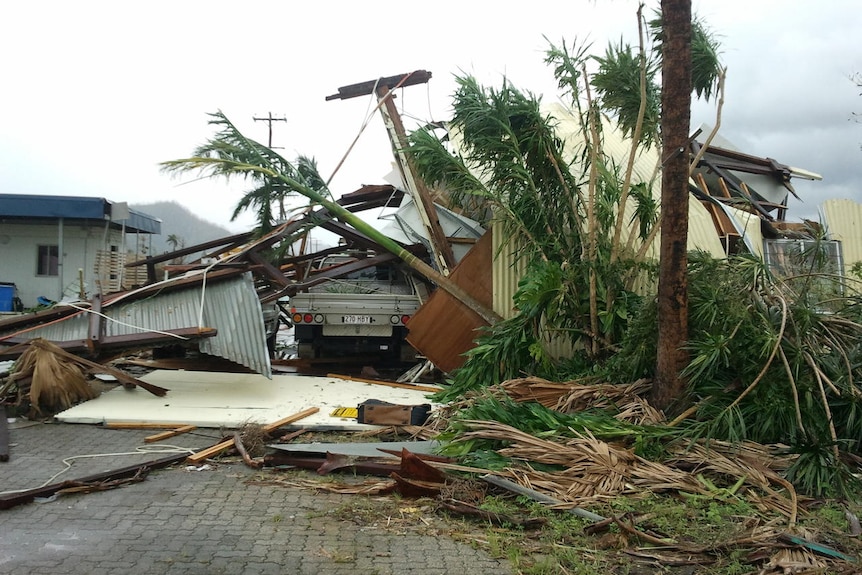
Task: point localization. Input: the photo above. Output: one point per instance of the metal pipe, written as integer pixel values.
(540, 497)
(61, 256)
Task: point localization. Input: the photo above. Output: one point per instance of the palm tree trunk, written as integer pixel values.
(669, 385)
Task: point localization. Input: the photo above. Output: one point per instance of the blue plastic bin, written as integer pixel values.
(7, 294)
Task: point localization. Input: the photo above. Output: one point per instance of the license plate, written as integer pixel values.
(356, 319)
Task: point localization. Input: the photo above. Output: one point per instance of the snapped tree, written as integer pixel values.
(229, 154)
(669, 384)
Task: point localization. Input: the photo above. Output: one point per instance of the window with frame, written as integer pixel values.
(48, 262)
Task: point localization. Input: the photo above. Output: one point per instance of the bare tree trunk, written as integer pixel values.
(669, 386)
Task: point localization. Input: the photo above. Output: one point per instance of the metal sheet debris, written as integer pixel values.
(372, 449)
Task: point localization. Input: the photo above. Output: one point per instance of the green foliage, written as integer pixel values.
(511, 159)
(230, 155)
(536, 420)
(502, 351)
(637, 354)
(550, 302)
(817, 472)
(772, 359)
(618, 84)
(706, 66)
(568, 68)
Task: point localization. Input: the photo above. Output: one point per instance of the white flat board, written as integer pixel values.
(218, 399)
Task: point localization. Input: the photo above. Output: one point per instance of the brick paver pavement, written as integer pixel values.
(182, 521)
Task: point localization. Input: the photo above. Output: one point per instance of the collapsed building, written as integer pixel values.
(229, 301)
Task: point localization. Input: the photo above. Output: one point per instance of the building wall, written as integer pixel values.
(80, 245)
(843, 221)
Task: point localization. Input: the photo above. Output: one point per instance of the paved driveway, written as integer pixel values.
(183, 520)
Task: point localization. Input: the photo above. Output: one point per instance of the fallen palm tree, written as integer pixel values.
(49, 383)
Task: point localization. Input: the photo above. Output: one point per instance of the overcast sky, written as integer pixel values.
(96, 94)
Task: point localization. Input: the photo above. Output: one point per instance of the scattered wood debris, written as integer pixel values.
(268, 429)
(170, 433)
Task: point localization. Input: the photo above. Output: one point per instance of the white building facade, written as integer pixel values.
(55, 248)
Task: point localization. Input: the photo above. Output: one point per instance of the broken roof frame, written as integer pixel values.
(89, 328)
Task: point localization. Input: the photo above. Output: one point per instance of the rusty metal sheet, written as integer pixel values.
(444, 328)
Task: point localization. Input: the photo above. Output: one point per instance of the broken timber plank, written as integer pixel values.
(387, 383)
(269, 428)
(170, 433)
(211, 451)
(143, 425)
(13, 499)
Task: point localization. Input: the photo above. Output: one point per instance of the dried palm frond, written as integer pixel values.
(370, 487)
(640, 412)
(54, 384)
(575, 395)
(590, 469)
(656, 477)
(794, 561)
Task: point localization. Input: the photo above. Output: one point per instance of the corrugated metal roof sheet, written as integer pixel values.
(230, 305)
(843, 219)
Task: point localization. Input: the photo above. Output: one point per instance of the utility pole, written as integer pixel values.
(383, 89)
(269, 120)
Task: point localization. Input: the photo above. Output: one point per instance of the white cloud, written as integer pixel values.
(97, 93)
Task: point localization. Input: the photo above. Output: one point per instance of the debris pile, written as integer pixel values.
(46, 380)
(602, 446)
(47, 383)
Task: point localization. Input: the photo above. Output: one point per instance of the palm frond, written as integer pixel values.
(569, 68)
(706, 67)
(618, 84)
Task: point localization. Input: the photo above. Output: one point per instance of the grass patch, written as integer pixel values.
(718, 526)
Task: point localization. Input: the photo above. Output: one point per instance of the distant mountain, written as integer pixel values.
(189, 228)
